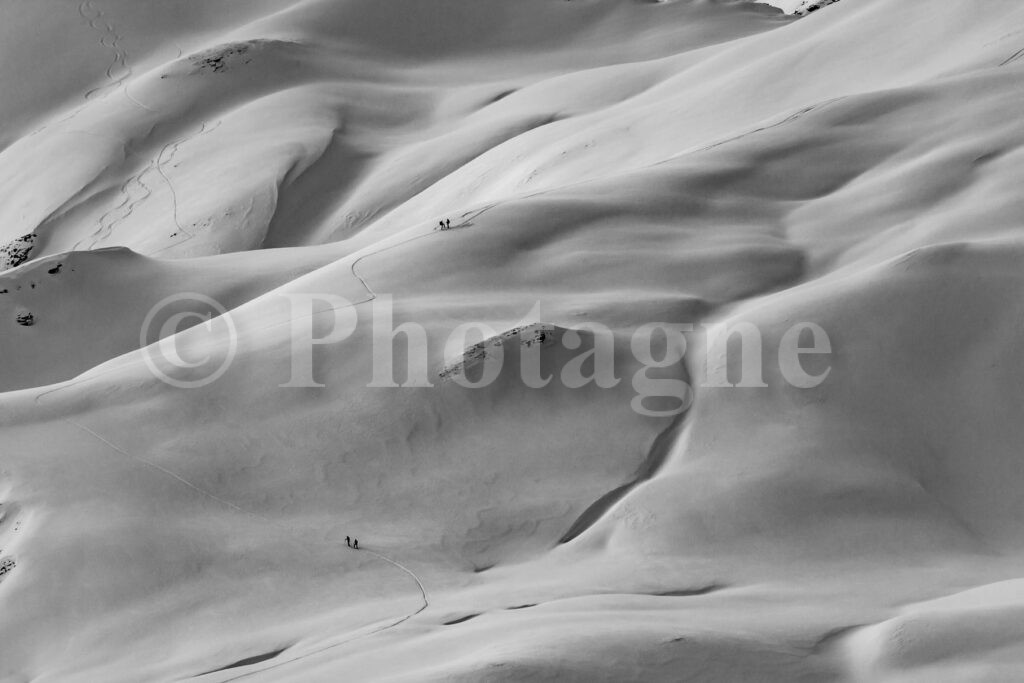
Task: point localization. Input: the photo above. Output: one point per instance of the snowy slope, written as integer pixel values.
(615, 162)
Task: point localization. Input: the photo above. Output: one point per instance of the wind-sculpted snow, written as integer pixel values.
(511, 292)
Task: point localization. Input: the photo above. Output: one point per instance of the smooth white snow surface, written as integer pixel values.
(619, 161)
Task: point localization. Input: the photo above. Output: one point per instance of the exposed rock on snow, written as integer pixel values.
(808, 6)
(7, 565)
(17, 251)
(536, 334)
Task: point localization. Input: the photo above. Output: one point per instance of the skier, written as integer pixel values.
(355, 544)
(348, 541)
(448, 223)
(441, 223)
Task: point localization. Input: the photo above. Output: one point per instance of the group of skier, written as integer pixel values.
(352, 542)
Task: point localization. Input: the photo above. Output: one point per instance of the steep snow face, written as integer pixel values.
(604, 165)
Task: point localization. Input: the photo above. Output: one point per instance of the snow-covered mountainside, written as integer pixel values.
(270, 188)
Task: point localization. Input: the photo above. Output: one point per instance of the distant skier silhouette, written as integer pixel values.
(448, 223)
(348, 541)
(355, 544)
(441, 223)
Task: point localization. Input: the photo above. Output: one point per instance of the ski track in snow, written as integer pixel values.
(789, 119)
(401, 620)
(111, 40)
(174, 146)
(1013, 58)
(83, 8)
(128, 203)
